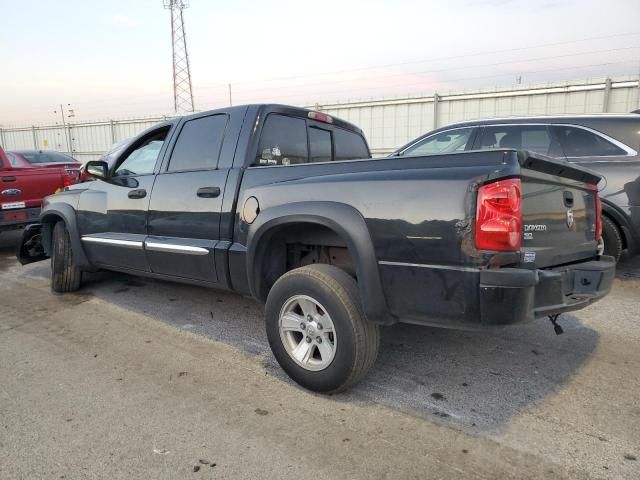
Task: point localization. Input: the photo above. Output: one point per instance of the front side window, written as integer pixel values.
(577, 142)
(319, 145)
(283, 141)
(443, 142)
(198, 145)
(535, 138)
(349, 145)
(142, 159)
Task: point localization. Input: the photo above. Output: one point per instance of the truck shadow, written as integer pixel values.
(472, 380)
(475, 380)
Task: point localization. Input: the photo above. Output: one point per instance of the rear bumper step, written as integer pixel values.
(512, 295)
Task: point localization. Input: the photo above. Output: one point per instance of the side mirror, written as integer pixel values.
(97, 169)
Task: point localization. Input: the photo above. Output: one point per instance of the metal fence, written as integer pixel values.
(387, 123)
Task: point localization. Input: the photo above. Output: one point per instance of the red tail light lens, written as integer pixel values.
(499, 216)
(598, 234)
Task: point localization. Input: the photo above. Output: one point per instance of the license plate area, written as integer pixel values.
(14, 216)
(12, 205)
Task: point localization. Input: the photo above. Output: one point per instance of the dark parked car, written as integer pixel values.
(283, 204)
(605, 143)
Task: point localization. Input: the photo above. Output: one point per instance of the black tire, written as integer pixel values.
(358, 339)
(65, 276)
(612, 238)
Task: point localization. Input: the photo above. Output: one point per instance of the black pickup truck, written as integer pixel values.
(286, 205)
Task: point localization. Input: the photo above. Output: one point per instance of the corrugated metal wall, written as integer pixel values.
(391, 123)
(387, 123)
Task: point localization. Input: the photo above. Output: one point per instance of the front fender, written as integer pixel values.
(54, 212)
(345, 221)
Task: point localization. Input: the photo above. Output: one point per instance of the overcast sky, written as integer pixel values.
(112, 59)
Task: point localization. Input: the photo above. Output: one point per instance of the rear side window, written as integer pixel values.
(577, 142)
(535, 138)
(198, 144)
(319, 145)
(443, 142)
(349, 145)
(283, 141)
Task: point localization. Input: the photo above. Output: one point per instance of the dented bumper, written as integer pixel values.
(512, 295)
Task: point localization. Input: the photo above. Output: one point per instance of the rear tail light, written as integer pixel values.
(69, 178)
(499, 216)
(598, 224)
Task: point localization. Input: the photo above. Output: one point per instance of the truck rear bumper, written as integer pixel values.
(512, 295)
(18, 218)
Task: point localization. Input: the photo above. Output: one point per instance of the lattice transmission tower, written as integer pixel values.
(182, 92)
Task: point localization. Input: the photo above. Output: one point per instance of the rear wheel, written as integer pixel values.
(65, 276)
(611, 238)
(317, 329)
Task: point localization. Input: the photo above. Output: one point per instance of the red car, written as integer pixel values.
(22, 188)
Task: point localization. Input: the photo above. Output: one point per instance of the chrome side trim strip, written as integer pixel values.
(428, 265)
(173, 248)
(113, 242)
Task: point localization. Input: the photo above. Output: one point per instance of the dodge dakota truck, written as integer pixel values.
(23, 188)
(286, 205)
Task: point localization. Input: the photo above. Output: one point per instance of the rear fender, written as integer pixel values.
(345, 221)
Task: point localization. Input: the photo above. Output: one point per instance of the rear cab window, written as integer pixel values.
(287, 140)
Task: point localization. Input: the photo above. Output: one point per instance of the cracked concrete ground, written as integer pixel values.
(136, 378)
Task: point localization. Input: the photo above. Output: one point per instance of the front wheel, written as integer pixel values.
(317, 329)
(65, 276)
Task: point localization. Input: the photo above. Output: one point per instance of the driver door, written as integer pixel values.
(112, 213)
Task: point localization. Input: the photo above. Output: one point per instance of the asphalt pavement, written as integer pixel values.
(138, 378)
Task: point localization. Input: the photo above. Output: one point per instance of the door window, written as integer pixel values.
(443, 142)
(578, 142)
(283, 141)
(198, 145)
(142, 159)
(535, 138)
(319, 145)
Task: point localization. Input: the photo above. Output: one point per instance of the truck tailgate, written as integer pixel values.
(25, 188)
(558, 212)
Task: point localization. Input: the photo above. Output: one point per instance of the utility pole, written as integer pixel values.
(230, 102)
(182, 91)
(67, 135)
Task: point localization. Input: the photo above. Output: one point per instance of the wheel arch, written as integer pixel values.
(52, 214)
(346, 223)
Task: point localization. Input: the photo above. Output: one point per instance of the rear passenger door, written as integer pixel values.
(186, 202)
